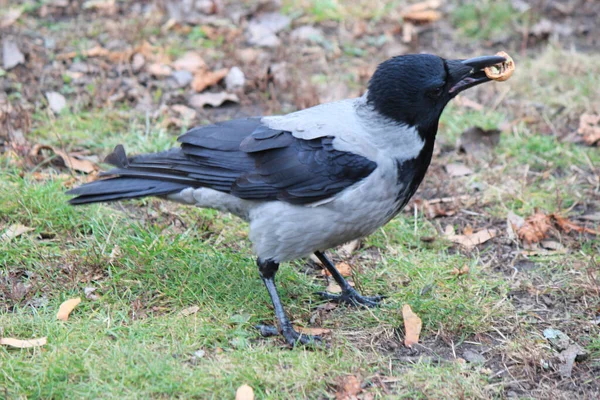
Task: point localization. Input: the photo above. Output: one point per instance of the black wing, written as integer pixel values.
(251, 161)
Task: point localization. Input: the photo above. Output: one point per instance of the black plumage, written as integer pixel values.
(242, 157)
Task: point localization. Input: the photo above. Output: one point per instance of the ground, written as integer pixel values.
(171, 294)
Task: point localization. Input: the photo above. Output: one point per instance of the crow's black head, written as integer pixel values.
(414, 89)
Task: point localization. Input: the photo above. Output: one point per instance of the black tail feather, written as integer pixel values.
(129, 184)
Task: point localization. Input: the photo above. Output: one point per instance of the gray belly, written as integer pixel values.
(282, 231)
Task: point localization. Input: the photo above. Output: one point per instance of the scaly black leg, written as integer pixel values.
(349, 295)
(267, 270)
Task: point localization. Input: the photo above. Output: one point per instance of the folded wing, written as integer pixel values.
(242, 157)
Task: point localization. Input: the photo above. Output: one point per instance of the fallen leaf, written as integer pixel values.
(476, 140)
(333, 288)
(70, 162)
(190, 61)
(535, 228)
(471, 240)
(23, 344)
(567, 225)
(66, 307)
(14, 231)
(348, 388)
(89, 293)
(458, 169)
(422, 17)
(244, 392)
(108, 7)
(412, 326)
(468, 231)
(189, 311)
(313, 331)
(159, 70)
(10, 17)
(262, 30)
(185, 112)
(11, 55)
(513, 223)
(433, 209)
(568, 357)
(235, 79)
(589, 128)
(204, 79)
(343, 268)
(198, 101)
(56, 101)
(423, 12)
(462, 271)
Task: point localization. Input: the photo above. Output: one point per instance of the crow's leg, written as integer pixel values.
(267, 270)
(349, 294)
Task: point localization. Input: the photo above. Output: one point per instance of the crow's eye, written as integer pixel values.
(437, 92)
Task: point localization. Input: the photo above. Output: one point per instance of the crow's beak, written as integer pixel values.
(465, 74)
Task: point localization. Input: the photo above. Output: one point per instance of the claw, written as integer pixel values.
(292, 337)
(353, 298)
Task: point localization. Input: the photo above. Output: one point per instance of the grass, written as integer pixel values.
(487, 20)
(147, 260)
(134, 332)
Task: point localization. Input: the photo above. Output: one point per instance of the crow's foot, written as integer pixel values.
(292, 337)
(353, 298)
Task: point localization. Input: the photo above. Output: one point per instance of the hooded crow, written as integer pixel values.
(310, 180)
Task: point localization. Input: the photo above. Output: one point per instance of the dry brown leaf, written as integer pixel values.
(185, 112)
(198, 101)
(244, 392)
(97, 51)
(70, 162)
(66, 307)
(468, 231)
(424, 5)
(471, 240)
(14, 231)
(423, 12)
(159, 70)
(344, 268)
(333, 288)
(23, 344)
(189, 311)
(204, 79)
(458, 272)
(348, 389)
(589, 128)
(433, 208)
(412, 326)
(535, 228)
(458, 169)
(567, 225)
(10, 17)
(422, 17)
(313, 331)
(190, 61)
